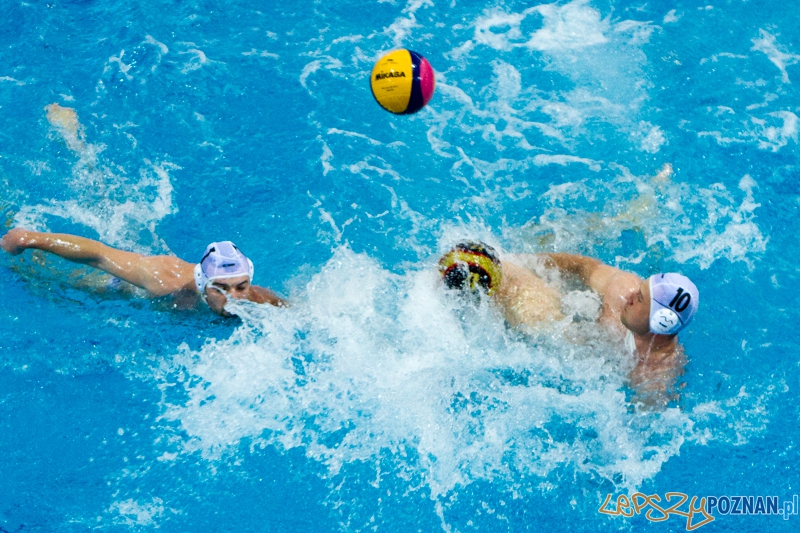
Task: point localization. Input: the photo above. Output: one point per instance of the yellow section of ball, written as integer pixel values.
(391, 80)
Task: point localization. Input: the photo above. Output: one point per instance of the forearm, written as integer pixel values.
(70, 247)
(593, 273)
(577, 265)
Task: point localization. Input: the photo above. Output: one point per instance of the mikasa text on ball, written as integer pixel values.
(402, 82)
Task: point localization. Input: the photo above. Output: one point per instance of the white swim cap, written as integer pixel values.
(673, 303)
(221, 260)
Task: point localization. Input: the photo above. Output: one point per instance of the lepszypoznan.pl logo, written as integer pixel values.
(700, 510)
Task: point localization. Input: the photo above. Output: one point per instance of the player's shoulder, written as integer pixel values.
(609, 280)
(168, 261)
(621, 282)
(166, 274)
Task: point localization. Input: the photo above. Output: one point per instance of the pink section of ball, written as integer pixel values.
(427, 82)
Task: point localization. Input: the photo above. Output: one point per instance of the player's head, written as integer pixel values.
(664, 305)
(471, 266)
(223, 271)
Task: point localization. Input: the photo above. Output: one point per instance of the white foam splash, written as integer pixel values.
(12, 80)
(565, 28)
(149, 39)
(37, 167)
(326, 157)
(719, 137)
(671, 17)
(162, 50)
(368, 362)
(133, 513)
(117, 207)
(197, 61)
(117, 222)
(123, 67)
(736, 418)
(774, 138)
(506, 40)
(650, 138)
(603, 60)
(767, 45)
(563, 160)
(569, 27)
(327, 63)
(401, 28)
(260, 53)
(660, 211)
(327, 218)
(715, 57)
(370, 140)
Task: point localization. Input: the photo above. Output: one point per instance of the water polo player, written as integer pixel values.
(223, 271)
(645, 315)
(525, 299)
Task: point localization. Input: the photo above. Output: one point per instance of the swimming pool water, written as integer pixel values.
(376, 403)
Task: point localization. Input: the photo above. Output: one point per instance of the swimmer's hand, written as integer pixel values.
(14, 242)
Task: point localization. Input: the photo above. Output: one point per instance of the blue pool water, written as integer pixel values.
(375, 403)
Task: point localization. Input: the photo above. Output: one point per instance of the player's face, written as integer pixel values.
(219, 290)
(636, 313)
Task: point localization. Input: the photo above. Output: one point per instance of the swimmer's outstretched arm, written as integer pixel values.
(158, 275)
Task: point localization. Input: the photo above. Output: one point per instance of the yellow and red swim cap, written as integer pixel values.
(471, 265)
(402, 82)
